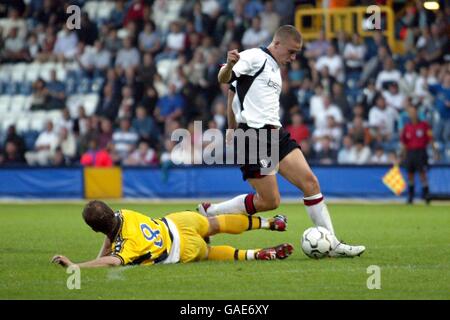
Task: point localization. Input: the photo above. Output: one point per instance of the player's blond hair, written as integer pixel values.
(288, 31)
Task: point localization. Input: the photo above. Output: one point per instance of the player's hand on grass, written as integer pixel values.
(62, 260)
(232, 57)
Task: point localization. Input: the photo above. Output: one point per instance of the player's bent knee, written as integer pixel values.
(271, 204)
(311, 185)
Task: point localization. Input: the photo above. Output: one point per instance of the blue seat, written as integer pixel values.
(30, 138)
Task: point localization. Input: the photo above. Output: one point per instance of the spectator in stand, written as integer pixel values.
(441, 93)
(96, 157)
(66, 44)
(108, 106)
(17, 140)
(333, 62)
(332, 130)
(409, 79)
(142, 156)
(200, 20)
(124, 139)
(394, 98)
(326, 154)
(11, 156)
(382, 120)
(175, 43)
(56, 92)
(14, 49)
(270, 19)
(373, 66)
(339, 98)
(354, 53)
(379, 156)
(296, 74)
(91, 133)
(169, 107)
(44, 147)
(358, 130)
(126, 106)
(326, 109)
(117, 14)
(127, 57)
(65, 122)
(135, 12)
(14, 21)
(40, 96)
(67, 145)
(344, 154)
(388, 75)
(297, 129)
(255, 36)
(149, 39)
(317, 48)
(88, 32)
(105, 134)
(145, 126)
(360, 153)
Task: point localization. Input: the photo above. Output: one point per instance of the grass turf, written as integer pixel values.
(411, 245)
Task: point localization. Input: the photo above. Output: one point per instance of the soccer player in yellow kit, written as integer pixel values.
(133, 238)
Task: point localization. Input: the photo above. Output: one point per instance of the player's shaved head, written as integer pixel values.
(286, 32)
(99, 216)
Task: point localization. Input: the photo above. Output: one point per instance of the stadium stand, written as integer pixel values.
(164, 56)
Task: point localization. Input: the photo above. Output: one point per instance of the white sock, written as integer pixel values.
(235, 205)
(318, 212)
(251, 254)
(265, 223)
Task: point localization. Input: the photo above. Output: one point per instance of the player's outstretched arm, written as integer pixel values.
(105, 249)
(108, 261)
(226, 71)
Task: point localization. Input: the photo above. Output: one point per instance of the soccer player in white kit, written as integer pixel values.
(255, 74)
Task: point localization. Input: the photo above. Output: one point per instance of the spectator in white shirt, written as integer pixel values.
(360, 153)
(142, 156)
(44, 147)
(255, 36)
(14, 21)
(382, 120)
(344, 155)
(379, 157)
(334, 63)
(354, 53)
(66, 44)
(394, 98)
(320, 118)
(127, 57)
(270, 19)
(388, 75)
(124, 139)
(409, 79)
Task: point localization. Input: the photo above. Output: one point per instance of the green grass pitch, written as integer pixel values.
(410, 244)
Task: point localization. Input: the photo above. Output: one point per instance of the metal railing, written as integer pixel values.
(348, 19)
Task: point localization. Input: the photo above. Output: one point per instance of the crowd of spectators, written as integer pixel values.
(343, 100)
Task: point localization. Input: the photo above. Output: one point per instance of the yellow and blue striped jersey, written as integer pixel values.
(141, 239)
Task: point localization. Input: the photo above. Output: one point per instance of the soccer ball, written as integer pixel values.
(316, 242)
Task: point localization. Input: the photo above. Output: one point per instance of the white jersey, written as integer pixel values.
(257, 81)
